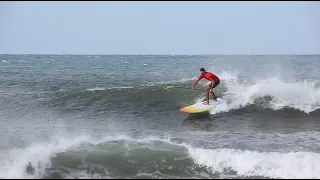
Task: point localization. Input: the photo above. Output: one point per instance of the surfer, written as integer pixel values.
(215, 81)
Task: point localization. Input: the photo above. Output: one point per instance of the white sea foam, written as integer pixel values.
(267, 164)
(13, 162)
(302, 95)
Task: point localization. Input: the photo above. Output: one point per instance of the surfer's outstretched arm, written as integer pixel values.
(195, 83)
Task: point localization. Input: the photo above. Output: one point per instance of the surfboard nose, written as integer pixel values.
(187, 109)
(183, 110)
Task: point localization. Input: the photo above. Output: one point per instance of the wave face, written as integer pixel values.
(96, 116)
(113, 157)
(268, 94)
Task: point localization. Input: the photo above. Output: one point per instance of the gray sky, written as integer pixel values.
(160, 27)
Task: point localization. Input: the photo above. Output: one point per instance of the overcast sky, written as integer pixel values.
(160, 27)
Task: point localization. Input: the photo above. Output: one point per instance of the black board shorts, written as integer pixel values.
(216, 83)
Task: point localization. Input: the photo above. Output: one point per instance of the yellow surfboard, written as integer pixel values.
(200, 107)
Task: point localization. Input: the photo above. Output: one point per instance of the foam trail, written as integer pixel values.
(170, 82)
(96, 89)
(144, 85)
(102, 89)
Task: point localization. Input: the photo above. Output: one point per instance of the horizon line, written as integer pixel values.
(154, 54)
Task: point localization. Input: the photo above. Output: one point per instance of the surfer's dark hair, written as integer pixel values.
(202, 69)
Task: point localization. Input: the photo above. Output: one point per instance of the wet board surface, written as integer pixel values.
(200, 107)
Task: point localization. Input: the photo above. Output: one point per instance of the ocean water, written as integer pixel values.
(111, 116)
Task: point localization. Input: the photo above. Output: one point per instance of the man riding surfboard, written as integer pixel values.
(215, 81)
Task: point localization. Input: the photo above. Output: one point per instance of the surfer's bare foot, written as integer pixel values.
(205, 103)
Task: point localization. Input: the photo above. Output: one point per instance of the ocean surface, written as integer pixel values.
(111, 116)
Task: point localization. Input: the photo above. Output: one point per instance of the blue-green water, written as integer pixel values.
(98, 116)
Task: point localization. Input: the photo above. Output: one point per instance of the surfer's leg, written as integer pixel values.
(213, 95)
(207, 95)
(216, 83)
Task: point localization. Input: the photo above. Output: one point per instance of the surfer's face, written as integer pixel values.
(202, 72)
